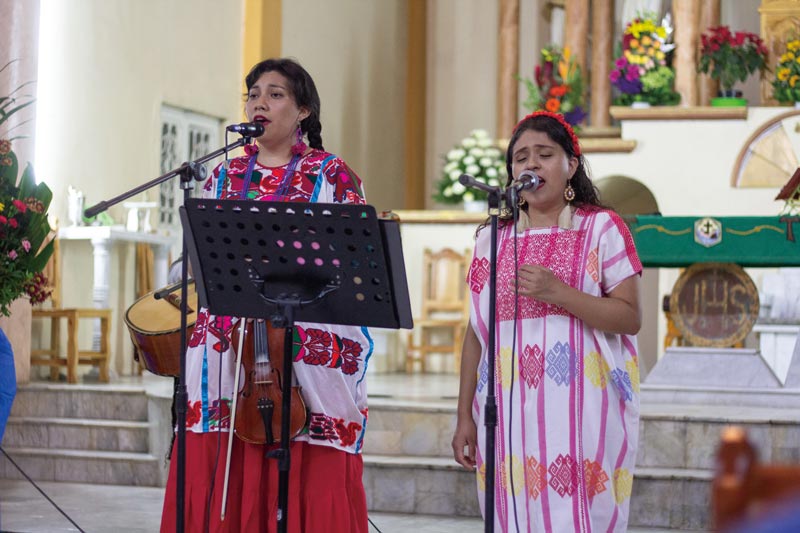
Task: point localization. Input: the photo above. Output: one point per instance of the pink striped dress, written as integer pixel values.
(567, 394)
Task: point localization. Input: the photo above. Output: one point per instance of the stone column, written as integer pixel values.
(709, 18)
(602, 49)
(19, 40)
(576, 31)
(508, 64)
(687, 13)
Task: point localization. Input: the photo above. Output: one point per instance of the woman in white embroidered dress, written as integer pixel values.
(330, 362)
(567, 378)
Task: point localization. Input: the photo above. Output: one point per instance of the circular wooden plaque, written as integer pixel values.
(714, 304)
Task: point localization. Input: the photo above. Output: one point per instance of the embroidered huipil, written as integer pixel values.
(330, 361)
(567, 394)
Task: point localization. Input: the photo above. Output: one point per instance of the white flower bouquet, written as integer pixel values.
(477, 155)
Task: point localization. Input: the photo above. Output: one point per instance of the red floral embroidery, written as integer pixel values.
(199, 332)
(317, 346)
(349, 433)
(351, 352)
(194, 413)
(222, 331)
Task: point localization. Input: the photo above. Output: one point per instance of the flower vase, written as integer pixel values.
(17, 327)
(476, 206)
(729, 98)
(640, 105)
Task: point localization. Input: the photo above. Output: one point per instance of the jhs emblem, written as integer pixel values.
(708, 232)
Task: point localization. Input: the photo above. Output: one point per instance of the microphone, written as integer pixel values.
(469, 181)
(247, 129)
(526, 181)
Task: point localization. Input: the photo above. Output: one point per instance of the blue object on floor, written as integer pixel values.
(8, 381)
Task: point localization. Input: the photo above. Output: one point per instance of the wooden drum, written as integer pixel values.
(155, 329)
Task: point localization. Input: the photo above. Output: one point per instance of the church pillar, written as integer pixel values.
(576, 30)
(508, 65)
(261, 32)
(602, 50)
(687, 13)
(709, 18)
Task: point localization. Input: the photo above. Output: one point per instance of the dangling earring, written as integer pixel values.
(299, 147)
(521, 202)
(569, 193)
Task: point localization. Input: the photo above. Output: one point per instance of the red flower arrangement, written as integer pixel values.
(731, 56)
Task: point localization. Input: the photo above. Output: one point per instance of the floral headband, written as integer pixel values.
(576, 147)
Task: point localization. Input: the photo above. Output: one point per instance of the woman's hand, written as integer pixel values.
(539, 282)
(465, 440)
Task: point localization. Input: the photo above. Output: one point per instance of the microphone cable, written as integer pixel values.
(43, 493)
(515, 220)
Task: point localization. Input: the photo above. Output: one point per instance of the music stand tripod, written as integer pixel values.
(286, 261)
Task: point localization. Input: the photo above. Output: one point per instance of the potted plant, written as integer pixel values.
(729, 58)
(25, 244)
(557, 86)
(641, 73)
(786, 85)
(477, 155)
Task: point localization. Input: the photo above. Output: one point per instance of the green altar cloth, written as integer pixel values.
(746, 241)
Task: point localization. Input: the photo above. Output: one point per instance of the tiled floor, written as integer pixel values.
(118, 509)
(138, 510)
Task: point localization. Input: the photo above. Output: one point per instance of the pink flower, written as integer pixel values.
(20, 205)
(26, 245)
(13, 223)
(3, 220)
(12, 254)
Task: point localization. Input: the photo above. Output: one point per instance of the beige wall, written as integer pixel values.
(462, 74)
(355, 51)
(107, 66)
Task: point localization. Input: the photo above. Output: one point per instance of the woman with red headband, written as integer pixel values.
(567, 378)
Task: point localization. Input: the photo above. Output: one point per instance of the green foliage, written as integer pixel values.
(730, 57)
(25, 244)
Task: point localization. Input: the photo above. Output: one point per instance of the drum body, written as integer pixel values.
(155, 329)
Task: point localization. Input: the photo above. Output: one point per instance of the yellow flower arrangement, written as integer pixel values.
(786, 84)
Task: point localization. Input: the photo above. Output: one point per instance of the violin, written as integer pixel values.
(259, 412)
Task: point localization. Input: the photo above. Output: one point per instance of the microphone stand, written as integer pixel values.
(189, 171)
(496, 194)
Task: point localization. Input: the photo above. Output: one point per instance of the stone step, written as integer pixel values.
(670, 435)
(662, 497)
(77, 434)
(80, 401)
(83, 466)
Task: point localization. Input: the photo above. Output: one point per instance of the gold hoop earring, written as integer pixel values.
(521, 202)
(569, 193)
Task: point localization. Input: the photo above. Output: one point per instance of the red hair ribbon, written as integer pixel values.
(576, 147)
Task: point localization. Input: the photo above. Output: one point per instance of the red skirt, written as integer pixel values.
(326, 492)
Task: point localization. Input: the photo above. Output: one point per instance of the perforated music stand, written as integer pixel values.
(286, 261)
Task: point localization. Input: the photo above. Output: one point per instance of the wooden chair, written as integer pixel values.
(444, 308)
(53, 355)
(744, 489)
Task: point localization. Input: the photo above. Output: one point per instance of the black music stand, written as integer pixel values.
(286, 261)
